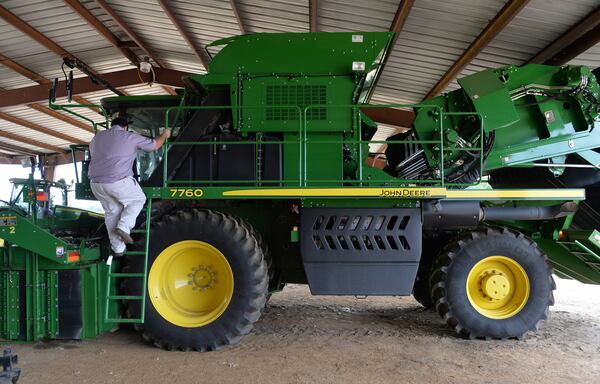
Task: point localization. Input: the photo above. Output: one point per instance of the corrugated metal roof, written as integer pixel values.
(63, 26)
(145, 89)
(591, 57)
(9, 79)
(274, 16)
(535, 27)
(23, 145)
(356, 15)
(149, 21)
(33, 116)
(435, 34)
(206, 21)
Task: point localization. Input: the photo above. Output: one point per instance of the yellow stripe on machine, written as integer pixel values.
(340, 192)
(413, 193)
(533, 194)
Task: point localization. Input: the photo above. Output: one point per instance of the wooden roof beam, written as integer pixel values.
(124, 91)
(313, 15)
(400, 18)
(169, 90)
(494, 27)
(36, 35)
(44, 81)
(9, 63)
(37, 93)
(86, 15)
(396, 26)
(83, 100)
(127, 29)
(17, 149)
(578, 39)
(7, 153)
(238, 17)
(202, 56)
(7, 159)
(40, 129)
(33, 33)
(32, 142)
(59, 116)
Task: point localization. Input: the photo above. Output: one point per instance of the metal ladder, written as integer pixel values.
(584, 253)
(114, 296)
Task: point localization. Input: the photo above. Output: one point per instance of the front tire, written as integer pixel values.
(207, 281)
(493, 283)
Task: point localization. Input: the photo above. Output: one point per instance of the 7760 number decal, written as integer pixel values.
(186, 193)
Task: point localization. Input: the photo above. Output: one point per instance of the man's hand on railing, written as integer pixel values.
(160, 140)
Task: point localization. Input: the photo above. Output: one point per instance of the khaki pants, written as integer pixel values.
(122, 202)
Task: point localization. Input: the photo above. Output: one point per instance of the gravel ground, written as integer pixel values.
(315, 339)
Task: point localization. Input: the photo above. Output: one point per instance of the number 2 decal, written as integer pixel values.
(12, 230)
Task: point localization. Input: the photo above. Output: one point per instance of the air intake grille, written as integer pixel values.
(361, 234)
(300, 95)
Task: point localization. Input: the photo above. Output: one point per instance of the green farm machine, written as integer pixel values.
(270, 179)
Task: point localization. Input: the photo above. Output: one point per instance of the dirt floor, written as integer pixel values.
(306, 339)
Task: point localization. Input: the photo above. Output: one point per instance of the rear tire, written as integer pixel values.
(466, 276)
(239, 305)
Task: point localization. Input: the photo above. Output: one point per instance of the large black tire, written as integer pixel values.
(421, 287)
(449, 284)
(273, 281)
(432, 245)
(235, 239)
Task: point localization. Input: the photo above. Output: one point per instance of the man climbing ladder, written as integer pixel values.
(111, 173)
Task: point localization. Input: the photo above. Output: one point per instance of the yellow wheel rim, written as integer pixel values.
(498, 287)
(190, 283)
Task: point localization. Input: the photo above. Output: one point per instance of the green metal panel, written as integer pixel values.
(329, 54)
(17, 229)
(274, 93)
(10, 305)
(323, 161)
(90, 305)
(538, 112)
(489, 95)
(51, 312)
(570, 264)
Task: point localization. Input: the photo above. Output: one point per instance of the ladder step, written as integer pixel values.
(125, 297)
(112, 293)
(122, 274)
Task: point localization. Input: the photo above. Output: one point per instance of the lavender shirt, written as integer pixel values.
(113, 152)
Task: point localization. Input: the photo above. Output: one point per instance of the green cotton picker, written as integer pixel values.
(276, 174)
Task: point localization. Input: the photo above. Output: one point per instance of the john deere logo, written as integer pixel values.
(405, 192)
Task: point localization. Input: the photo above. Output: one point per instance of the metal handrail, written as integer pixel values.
(168, 143)
(304, 142)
